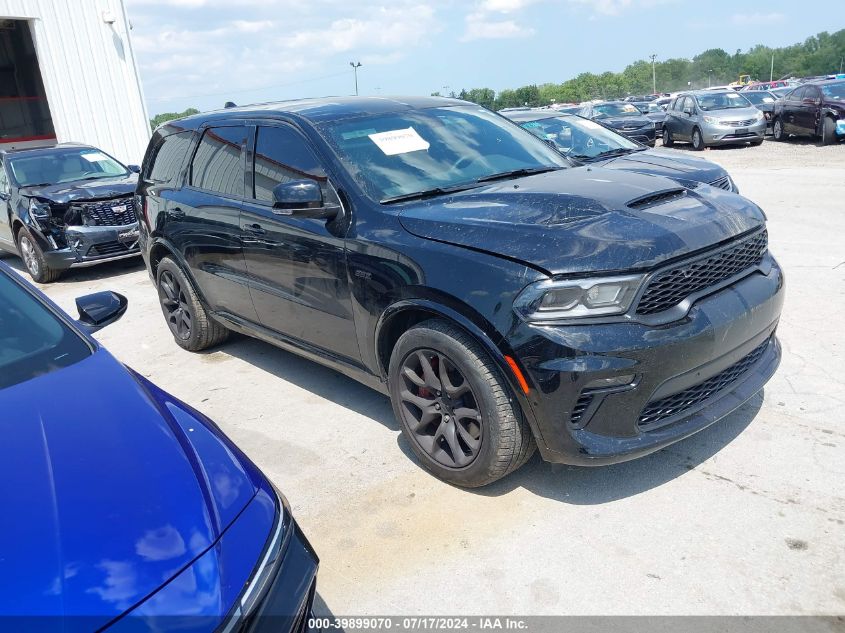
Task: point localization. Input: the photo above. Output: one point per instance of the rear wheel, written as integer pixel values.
(667, 138)
(697, 140)
(186, 317)
(777, 130)
(454, 406)
(33, 259)
(828, 131)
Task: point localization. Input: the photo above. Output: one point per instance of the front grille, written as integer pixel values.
(107, 248)
(654, 199)
(745, 123)
(578, 410)
(722, 183)
(668, 288)
(116, 212)
(670, 406)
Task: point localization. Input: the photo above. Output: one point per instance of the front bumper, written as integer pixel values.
(687, 374)
(89, 245)
(722, 135)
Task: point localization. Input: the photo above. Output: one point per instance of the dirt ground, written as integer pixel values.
(747, 517)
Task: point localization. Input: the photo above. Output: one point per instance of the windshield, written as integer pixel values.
(649, 108)
(615, 109)
(33, 341)
(403, 153)
(834, 91)
(760, 96)
(64, 165)
(579, 138)
(722, 101)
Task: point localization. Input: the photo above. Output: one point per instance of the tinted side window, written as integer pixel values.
(218, 162)
(797, 94)
(168, 157)
(282, 155)
(812, 93)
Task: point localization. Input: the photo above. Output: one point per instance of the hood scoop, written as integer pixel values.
(654, 199)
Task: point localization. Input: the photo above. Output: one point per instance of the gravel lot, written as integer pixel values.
(747, 517)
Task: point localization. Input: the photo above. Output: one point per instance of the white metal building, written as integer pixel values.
(68, 73)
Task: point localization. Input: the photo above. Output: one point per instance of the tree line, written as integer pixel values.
(817, 55)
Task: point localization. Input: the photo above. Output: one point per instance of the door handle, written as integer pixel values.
(255, 229)
(177, 212)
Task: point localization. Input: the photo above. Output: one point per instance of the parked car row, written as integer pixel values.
(543, 284)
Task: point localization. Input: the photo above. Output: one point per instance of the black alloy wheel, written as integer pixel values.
(440, 408)
(175, 306)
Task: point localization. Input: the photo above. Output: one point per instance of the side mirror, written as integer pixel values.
(135, 169)
(100, 309)
(688, 111)
(302, 198)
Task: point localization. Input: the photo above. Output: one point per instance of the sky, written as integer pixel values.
(202, 53)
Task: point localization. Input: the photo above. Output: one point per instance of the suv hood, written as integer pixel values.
(579, 220)
(657, 163)
(105, 496)
(67, 192)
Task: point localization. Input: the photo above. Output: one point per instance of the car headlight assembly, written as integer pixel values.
(711, 119)
(39, 210)
(573, 299)
(760, 116)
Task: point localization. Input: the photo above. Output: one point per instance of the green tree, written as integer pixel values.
(169, 116)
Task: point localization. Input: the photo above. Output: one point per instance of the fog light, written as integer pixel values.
(613, 381)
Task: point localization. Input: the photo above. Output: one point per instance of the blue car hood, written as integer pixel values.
(583, 220)
(671, 166)
(104, 495)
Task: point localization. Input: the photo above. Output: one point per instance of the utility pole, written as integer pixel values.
(772, 71)
(653, 76)
(709, 78)
(355, 67)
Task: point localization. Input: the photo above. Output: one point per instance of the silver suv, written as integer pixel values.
(713, 117)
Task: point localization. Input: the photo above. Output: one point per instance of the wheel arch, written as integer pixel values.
(161, 249)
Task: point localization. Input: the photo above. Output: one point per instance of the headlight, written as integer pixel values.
(39, 210)
(571, 299)
(760, 116)
(711, 119)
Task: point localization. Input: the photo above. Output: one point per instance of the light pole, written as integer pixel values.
(772, 71)
(709, 77)
(653, 76)
(355, 67)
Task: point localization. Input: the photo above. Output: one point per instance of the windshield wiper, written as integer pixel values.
(428, 193)
(622, 151)
(518, 173)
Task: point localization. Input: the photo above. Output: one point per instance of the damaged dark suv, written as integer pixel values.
(501, 296)
(66, 206)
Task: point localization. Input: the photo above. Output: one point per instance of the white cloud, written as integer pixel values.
(752, 19)
(478, 27)
(505, 6)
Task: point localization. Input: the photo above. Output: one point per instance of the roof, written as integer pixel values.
(49, 149)
(325, 108)
(534, 114)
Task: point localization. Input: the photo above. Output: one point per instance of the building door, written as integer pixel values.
(25, 119)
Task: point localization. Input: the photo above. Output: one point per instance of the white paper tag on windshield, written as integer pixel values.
(399, 141)
(94, 157)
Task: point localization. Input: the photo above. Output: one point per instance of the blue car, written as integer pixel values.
(122, 507)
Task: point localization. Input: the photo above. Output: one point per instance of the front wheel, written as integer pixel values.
(777, 130)
(186, 317)
(454, 406)
(828, 131)
(33, 259)
(667, 138)
(697, 140)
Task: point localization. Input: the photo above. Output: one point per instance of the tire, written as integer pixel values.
(828, 131)
(667, 138)
(189, 323)
(697, 145)
(465, 450)
(777, 130)
(33, 259)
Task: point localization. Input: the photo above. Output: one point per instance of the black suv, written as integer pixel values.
(66, 206)
(443, 255)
